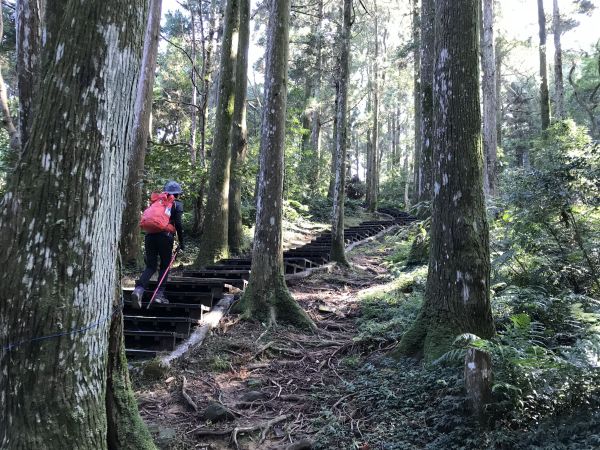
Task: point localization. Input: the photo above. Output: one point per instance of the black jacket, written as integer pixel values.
(176, 220)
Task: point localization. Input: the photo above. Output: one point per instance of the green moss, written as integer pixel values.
(154, 369)
(412, 341)
(219, 363)
(438, 341)
(132, 433)
(273, 305)
(125, 428)
(419, 251)
(338, 255)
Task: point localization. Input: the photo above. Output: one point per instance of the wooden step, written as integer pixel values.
(192, 310)
(181, 325)
(151, 340)
(202, 298)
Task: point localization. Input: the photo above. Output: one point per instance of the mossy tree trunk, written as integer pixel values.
(60, 225)
(338, 251)
(315, 133)
(125, 428)
(374, 154)
(267, 298)
(544, 95)
(206, 40)
(239, 132)
(29, 23)
(490, 107)
(499, 56)
(131, 241)
(214, 240)
(7, 122)
(416, 32)
(559, 88)
(425, 178)
(457, 291)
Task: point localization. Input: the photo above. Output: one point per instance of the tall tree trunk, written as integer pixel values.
(125, 428)
(306, 153)
(559, 90)
(194, 101)
(214, 241)
(544, 96)
(490, 107)
(267, 298)
(315, 133)
(424, 181)
(207, 50)
(333, 148)
(60, 227)
(374, 156)
(239, 132)
(457, 290)
(29, 19)
(7, 122)
(130, 231)
(338, 252)
(499, 116)
(406, 181)
(416, 31)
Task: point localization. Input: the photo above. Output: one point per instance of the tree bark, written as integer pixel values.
(338, 252)
(214, 241)
(315, 133)
(544, 96)
(374, 155)
(125, 428)
(7, 122)
(239, 132)
(499, 56)
(490, 107)
(457, 290)
(60, 227)
(406, 182)
(194, 100)
(29, 18)
(131, 241)
(424, 181)
(559, 90)
(416, 29)
(267, 298)
(207, 50)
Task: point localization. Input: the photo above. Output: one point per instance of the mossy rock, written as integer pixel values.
(215, 412)
(419, 251)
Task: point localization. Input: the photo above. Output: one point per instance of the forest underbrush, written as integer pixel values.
(546, 387)
(249, 387)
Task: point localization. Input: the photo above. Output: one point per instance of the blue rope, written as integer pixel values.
(91, 326)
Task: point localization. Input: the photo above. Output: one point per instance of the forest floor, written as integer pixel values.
(264, 389)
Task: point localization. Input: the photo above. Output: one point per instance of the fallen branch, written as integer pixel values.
(186, 396)
(261, 350)
(208, 322)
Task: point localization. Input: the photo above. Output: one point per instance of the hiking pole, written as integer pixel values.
(163, 277)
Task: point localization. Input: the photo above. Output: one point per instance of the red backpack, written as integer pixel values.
(157, 216)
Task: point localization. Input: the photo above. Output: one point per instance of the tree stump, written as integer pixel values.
(478, 380)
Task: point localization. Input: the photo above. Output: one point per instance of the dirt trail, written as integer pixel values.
(265, 385)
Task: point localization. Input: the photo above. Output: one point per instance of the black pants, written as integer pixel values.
(157, 245)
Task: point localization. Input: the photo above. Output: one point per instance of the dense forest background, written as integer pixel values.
(537, 165)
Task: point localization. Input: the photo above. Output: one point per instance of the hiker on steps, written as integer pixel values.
(160, 222)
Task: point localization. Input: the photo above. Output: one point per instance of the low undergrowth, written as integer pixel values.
(546, 360)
